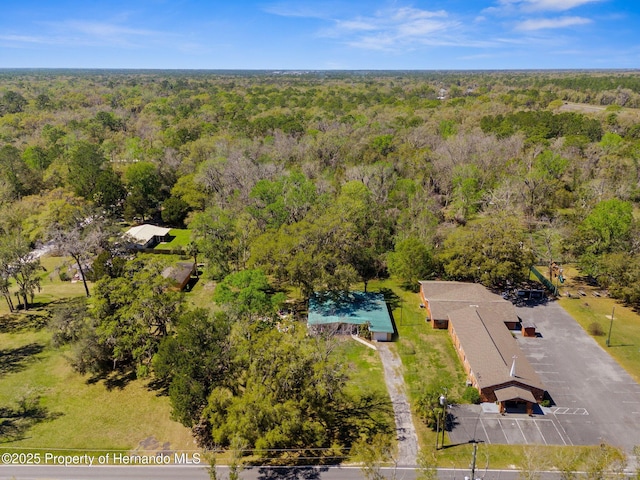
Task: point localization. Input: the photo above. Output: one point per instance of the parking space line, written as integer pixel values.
(540, 431)
(555, 424)
(486, 435)
(523, 435)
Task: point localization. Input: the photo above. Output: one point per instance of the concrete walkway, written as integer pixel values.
(405, 430)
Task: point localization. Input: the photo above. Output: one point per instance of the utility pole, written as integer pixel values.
(610, 327)
(473, 461)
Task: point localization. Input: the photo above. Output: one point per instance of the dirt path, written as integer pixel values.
(405, 430)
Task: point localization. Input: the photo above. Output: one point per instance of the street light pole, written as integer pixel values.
(443, 403)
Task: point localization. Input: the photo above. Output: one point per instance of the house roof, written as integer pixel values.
(180, 273)
(446, 297)
(490, 348)
(354, 308)
(145, 232)
(478, 319)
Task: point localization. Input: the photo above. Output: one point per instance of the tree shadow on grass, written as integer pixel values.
(112, 380)
(393, 300)
(160, 386)
(16, 322)
(367, 414)
(17, 420)
(13, 360)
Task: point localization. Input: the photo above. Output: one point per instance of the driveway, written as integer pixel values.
(406, 432)
(594, 399)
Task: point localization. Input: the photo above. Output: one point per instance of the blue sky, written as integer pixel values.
(297, 34)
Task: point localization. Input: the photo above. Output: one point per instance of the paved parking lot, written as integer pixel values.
(513, 429)
(594, 399)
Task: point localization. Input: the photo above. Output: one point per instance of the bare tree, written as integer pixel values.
(80, 241)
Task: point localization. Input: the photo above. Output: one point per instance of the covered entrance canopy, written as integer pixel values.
(514, 394)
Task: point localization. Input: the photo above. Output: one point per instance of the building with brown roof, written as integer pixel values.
(479, 323)
(179, 274)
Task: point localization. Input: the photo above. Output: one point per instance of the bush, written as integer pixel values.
(595, 329)
(471, 395)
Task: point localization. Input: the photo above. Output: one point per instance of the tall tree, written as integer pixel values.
(143, 182)
(247, 293)
(410, 261)
(491, 250)
(132, 314)
(81, 240)
(605, 230)
(194, 361)
(85, 167)
(24, 267)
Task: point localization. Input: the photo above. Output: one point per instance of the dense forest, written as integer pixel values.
(296, 182)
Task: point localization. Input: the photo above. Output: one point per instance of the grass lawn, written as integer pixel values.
(78, 414)
(181, 238)
(590, 309)
(73, 412)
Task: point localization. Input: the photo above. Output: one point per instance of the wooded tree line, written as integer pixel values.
(301, 183)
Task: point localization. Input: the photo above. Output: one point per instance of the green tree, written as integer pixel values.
(287, 395)
(14, 172)
(132, 314)
(143, 183)
(85, 164)
(174, 211)
(491, 251)
(12, 102)
(24, 268)
(109, 192)
(247, 293)
(606, 229)
(222, 239)
(285, 200)
(410, 261)
(193, 362)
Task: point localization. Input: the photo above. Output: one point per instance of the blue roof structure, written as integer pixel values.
(354, 308)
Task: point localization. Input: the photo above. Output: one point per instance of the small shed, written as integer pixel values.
(528, 330)
(179, 274)
(347, 312)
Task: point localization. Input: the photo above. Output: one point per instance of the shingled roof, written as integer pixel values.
(490, 348)
(479, 319)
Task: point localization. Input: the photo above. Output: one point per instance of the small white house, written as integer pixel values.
(147, 236)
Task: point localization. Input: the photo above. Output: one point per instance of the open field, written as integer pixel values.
(73, 411)
(77, 411)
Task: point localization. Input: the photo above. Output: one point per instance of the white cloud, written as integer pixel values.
(22, 39)
(397, 29)
(542, 5)
(550, 23)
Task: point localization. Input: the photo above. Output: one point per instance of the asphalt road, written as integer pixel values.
(257, 473)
